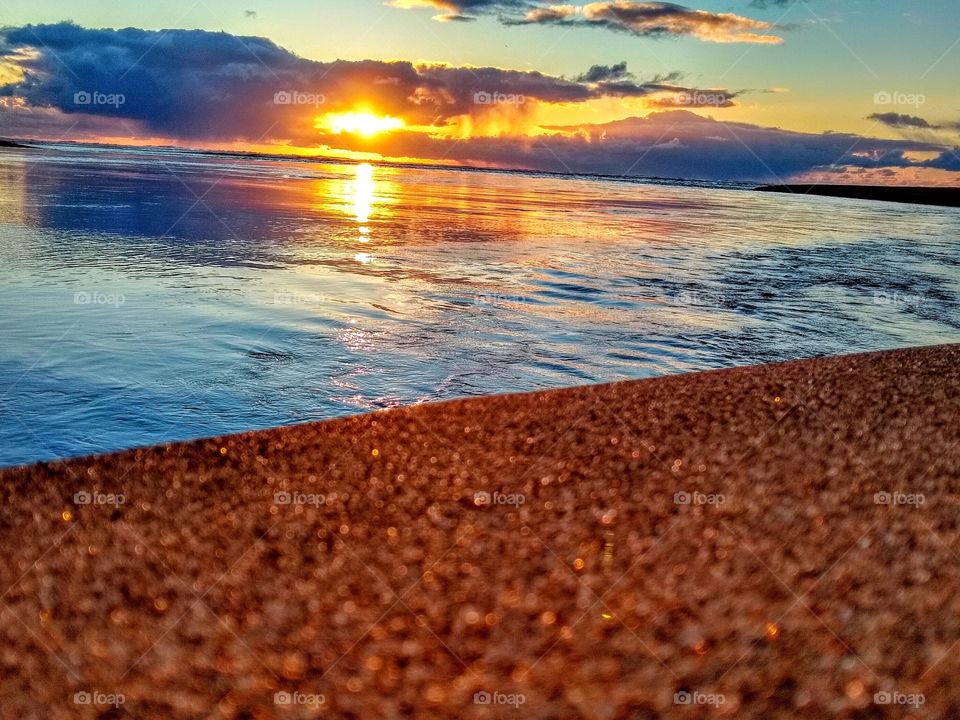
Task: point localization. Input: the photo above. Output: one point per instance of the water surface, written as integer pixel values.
(148, 296)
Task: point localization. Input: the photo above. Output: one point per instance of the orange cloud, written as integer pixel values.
(658, 18)
(648, 19)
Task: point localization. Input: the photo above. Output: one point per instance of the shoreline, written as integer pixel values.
(776, 540)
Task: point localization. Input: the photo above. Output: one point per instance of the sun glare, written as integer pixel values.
(363, 195)
(359, 123)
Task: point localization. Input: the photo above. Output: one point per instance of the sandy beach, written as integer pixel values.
(770, 542)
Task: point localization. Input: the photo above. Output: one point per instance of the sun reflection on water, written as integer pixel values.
(364, 195)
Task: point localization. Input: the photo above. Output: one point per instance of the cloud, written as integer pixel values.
(598, 73)
(461, 10)
(715, 98)
(711, 149)
(948, 160)
(912, 122)
(647, 19)
(543, 15)
(197, 84)
(659, 19)
(204, 89)
(896, 120)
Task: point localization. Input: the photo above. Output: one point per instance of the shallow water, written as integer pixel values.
(155, 296)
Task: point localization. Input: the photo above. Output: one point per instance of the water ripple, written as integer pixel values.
(297, 291)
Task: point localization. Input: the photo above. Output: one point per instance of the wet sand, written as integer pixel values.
(775, 542)
(945, 196)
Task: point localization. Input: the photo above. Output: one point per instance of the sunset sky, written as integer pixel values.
(761, 90)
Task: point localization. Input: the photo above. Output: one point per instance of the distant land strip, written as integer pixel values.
(945, 196)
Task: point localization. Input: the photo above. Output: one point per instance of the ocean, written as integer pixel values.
(157, 295)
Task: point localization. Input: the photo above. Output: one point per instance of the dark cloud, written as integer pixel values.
(617, 81)
(180, 82)
(675, 96)
(665, 87)
(712, 149)
(599, 73)
(948, 160)
(911, 123)
(196, 84)
(648, 19)
(896, 120)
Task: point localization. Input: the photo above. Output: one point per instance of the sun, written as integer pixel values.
(364, 124)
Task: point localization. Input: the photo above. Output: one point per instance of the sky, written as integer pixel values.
(762, 90)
